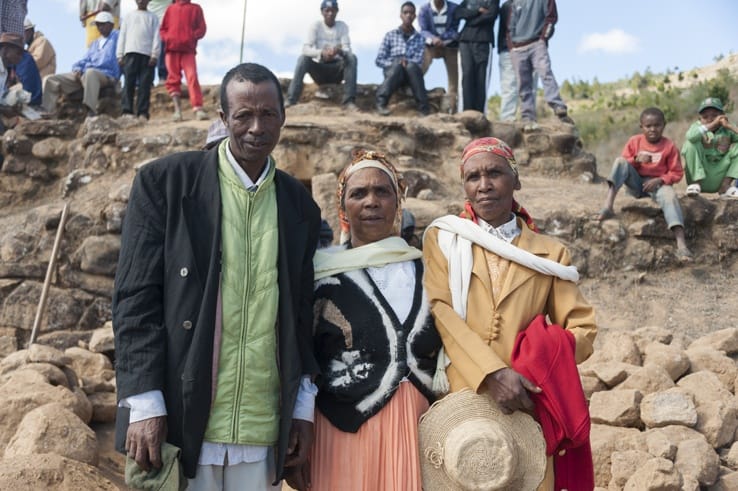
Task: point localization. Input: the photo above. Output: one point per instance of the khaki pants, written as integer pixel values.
(450, 58)
(66, 83)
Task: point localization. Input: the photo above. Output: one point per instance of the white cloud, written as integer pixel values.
(614, 41)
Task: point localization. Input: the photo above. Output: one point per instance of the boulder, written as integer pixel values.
(714, 361)
(718, 421)
(590, 385)
(620, 346)
(652, 334)
(13, 361)
(659, 445)
(696, 459)
(647, 380)
(52, 148)
(39, 353)
(616, 408)
(731, 458)
(670, 407)
(705, 387)
(8, 341)
(63, 311)
(86, 363)
(25, 390)
(723, 340)
(670, 358)
(655, 474)
(611, 373)
(604, 441)
(624, 464)
(51, 472)
(52, 428)
(53, 374)
(726, 482)
(102, 339)
(99, 254)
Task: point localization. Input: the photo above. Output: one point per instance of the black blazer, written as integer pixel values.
(166, 289)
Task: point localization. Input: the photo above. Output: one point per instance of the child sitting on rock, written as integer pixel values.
(648, 166)
(710, 153)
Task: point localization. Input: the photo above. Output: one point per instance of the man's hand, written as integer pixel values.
(652, 184)
(298, 477)
(77, 75)
(509, 389)
(436, 41)
(144, 439)
(328, 54)
(120, 62)
(152, 61)
(300, 442)
(483, 10)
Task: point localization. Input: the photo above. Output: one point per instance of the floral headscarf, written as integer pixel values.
(497, 147)
(364, 159)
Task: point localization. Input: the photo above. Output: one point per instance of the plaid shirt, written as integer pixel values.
(394, 47)
(12, 14)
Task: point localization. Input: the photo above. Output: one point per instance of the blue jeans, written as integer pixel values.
(624, 173)
(528, 60)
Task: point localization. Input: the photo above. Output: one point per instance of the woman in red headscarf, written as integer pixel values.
(489, 275)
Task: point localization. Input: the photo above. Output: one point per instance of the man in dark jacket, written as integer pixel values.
(475, 40)
(212, 306)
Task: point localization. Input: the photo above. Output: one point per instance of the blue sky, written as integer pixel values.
(606, 40)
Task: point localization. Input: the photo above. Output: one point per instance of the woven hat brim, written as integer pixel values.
(460, 406)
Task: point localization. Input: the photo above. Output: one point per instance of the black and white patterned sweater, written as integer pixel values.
(364, 351)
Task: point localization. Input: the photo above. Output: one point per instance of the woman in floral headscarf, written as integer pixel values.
(489, 275)
(374, 340)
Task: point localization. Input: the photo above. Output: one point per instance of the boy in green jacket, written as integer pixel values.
(710, 153)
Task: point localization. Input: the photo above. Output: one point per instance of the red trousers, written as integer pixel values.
(176, 64)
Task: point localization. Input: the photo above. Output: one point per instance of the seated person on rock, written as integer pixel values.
(97, 69)
(710, 152)
(401, 58)
(20, 65)
(327, 57)
(40, 49)
(648, 166)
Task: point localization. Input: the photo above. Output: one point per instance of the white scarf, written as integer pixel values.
(334, 260)
(455, 238)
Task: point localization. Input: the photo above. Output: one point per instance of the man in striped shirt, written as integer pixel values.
(439, 27)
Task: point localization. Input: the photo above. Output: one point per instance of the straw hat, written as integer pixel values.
(467, 443)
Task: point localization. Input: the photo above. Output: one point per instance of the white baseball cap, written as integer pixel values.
(104, 17)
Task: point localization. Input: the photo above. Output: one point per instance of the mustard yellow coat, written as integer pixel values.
(483, 343)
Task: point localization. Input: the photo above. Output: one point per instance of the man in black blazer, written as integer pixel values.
(167, 299)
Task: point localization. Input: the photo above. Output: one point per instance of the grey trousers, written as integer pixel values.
(66, 83)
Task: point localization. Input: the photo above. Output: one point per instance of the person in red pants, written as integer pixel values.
(182, 26)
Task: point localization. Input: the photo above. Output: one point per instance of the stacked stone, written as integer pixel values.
(48, 397)
(664, 411)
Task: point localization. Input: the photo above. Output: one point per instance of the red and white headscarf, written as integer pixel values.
(498, 147)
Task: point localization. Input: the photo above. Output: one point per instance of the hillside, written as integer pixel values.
(628, 267)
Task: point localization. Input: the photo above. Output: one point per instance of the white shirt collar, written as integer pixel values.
(507, 231)
(242, 176)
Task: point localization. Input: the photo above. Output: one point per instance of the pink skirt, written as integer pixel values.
(382, 455)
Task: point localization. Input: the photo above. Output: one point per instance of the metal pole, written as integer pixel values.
(49, 274)
(243, 31)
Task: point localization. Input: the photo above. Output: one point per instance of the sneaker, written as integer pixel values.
(566, 119)
(321, 94)
(730, 193)
(177, 116)
(383, 110)
(201, 115)
(288, 103)
(351, 106)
